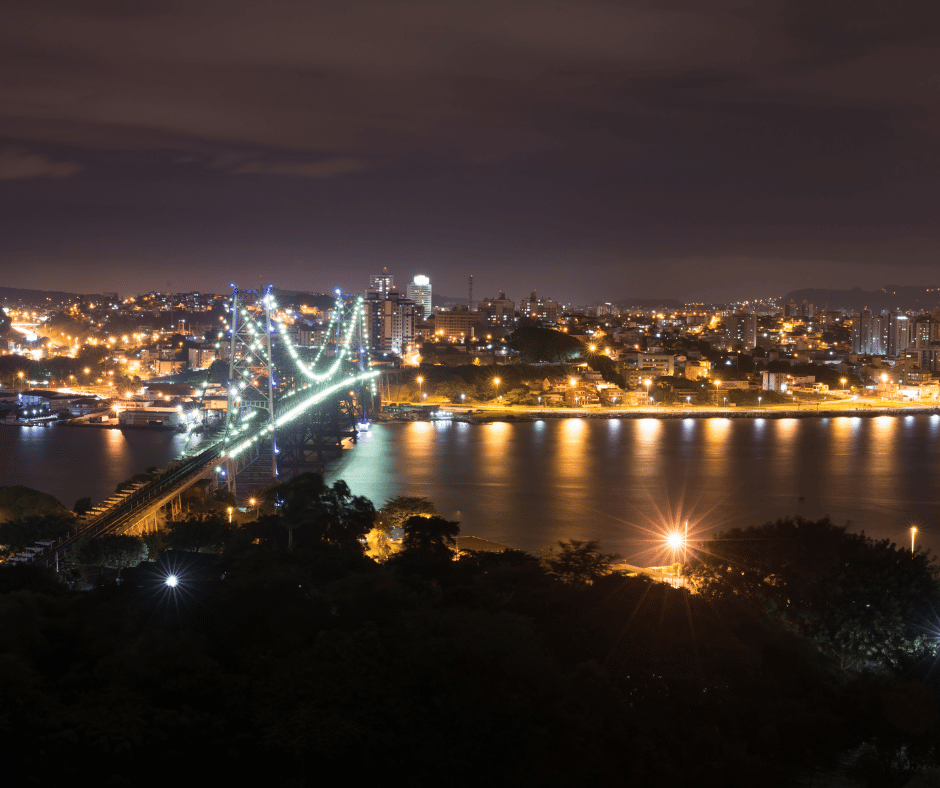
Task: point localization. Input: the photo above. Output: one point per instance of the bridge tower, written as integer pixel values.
(251, 375)
(298, 406)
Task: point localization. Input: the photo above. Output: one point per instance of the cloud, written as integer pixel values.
(17, 163)
(325, 168)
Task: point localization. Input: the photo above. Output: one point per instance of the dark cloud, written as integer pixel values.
(518, 138)
(17, 163)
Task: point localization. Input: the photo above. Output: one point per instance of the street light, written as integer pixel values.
(230, 514)
(758, 401)
(253, 502)
(913, 534)
(842, 381)
(420, 382)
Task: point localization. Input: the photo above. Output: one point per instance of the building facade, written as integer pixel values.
(869, 334)
(391, 322)
(543, 310)
(742, 327)
(498, 312)
(419, 291)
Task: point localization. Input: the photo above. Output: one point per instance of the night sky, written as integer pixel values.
(592, 150)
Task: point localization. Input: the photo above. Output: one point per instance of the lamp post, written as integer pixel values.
(646, 383)
(913, 534)
(254, 502)
(496, 383)
(842, 381)
(230, 514)
(420, 385)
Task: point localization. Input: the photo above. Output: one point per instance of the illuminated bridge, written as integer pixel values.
(288, 409)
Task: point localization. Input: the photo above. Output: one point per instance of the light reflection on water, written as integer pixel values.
(529, 484)
(73, 462)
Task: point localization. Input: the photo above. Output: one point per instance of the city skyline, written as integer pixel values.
(726, 152)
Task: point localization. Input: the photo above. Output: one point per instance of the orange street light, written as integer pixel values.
(230, 514)
(913, 534)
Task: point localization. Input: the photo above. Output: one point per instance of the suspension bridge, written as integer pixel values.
(289, 408)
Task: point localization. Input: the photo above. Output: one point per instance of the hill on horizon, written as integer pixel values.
(890, 297)
(28, 296)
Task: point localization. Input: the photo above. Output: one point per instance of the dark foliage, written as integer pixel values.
(863, 601)
(282, 668)
(543, 344)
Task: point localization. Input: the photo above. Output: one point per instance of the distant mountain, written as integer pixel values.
(647, 303)
(18, 295)
(890, 297)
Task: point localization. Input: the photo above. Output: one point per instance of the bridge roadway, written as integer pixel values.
(139, 506)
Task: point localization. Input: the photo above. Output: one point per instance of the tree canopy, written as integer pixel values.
(534, 343)
(861, 600)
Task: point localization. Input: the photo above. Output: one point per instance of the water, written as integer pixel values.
(73, 462)
(622, 482)
(626, 482)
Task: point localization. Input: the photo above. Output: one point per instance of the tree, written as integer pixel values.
(578, 562)
(332, 514)
(544, 344)
(199, 533)
(112, 551)
(82, 505)
(430, 537)
(398, 509)
(860, 600)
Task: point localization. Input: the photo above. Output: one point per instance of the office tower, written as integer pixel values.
(419, 291)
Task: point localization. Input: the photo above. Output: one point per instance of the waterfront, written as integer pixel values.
(530, 483)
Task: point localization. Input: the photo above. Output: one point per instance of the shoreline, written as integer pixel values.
(474, 416)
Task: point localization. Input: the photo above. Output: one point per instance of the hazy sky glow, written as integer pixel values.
(588, 149)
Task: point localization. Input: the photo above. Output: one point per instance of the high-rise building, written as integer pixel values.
(499, 312)
(899, 334)
(382, 283)
(419, 291)
(391, 322)
(869, 334)
(742, 327)
(924, 331)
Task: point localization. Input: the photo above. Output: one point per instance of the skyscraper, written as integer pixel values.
(869, 334)
(419, 291)
(391, 322)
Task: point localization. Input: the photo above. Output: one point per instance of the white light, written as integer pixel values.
(172, 581)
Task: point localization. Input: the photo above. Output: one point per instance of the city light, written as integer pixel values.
(172, 581)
